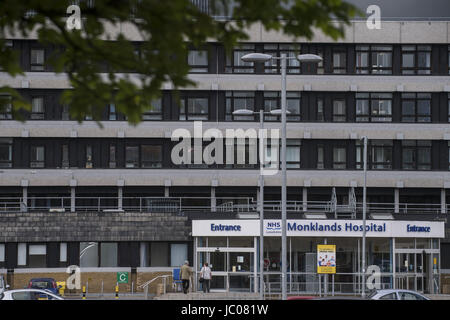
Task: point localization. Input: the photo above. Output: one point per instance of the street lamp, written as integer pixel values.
(262, 57)
(363, 292)
(261, 188)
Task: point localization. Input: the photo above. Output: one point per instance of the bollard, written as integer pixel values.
(117, 292)
(84, 293)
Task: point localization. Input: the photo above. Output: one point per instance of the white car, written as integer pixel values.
(397, 294)
(29, 294)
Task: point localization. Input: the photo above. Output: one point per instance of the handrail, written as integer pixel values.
(146, 284)
(222, 204)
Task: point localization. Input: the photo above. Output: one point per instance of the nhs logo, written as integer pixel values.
(273, 227)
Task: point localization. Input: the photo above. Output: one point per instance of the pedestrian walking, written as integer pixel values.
(186, 273)
(205, 274)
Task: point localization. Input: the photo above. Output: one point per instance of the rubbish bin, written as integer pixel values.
(61, 285)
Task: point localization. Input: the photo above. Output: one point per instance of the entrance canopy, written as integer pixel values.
(320, 228)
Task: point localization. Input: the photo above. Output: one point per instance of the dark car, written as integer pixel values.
(48, 284)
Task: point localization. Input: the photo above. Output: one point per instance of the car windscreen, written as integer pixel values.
(41, 285)
(373, 293)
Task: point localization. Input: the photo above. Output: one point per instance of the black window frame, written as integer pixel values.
(372, 98)
(241, 67)
(415, 98)
(198, 68)
(273, 66)
(373, 146)
(37, 67)
(416, 50)
(339, 117)
(151, 114)
(6, 113)
(9, 143)
(35, 163)
(88, 156)
(275, 96)
(230, 99)
(342, 69)
(186, 115)
(139, 163)
(416, 146)
(37, 115)
(370, 68)
(340, 165)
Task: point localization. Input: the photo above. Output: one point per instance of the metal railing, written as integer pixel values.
(206, 204)
(147, 284)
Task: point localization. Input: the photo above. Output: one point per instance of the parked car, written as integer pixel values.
(397, 294)
(29, 294)
(44, 284)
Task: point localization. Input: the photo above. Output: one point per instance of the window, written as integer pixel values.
(37, 254)
(89, 157)
(63, 252)
(339, 111)
(89, 254)
(416, 59)
(448, 108)
(112, 112)
(65, 156)
(6, 153)
(373, 107)
(236, 100)
(234, 64)
(319, 65)
(5, 107)
(416, 155)
(132, 156)
(151, 156)
(416, 107)
(144, 156)
(2, 255)
(37, 59)
(65, 114)
(339, 62)
(272, 101)
(292, 153)
(319, 110)
(37, 108)
(374, 59)
(275, 50)
(390, 296)
(449, 155)
(178, 254)
(339, 158)
(379, 154)
(448, 58)
(37, 157)
(320, 162)
(409, 296)
(108, 254)
(112, 156)
(155, 111)
(198, 61)
(194, 108)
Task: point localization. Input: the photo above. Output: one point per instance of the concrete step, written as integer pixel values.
(209, 296)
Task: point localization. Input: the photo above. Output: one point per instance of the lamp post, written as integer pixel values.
(363, 292)
(261, 189)
(262, 57)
